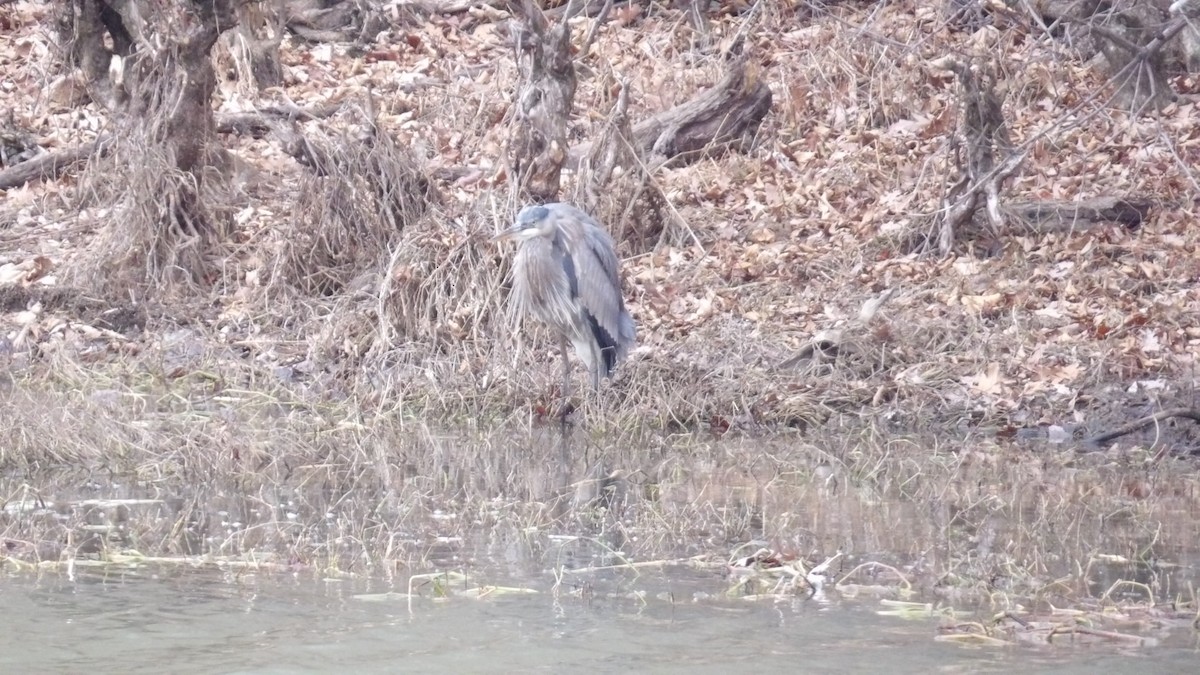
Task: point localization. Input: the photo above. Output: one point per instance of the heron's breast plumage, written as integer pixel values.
(541, 287)
(569, 280)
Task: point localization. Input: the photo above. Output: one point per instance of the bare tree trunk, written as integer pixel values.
(538, 147)
(150, 64)
(172, 90)
(252, 48)
(616, 186)
(982, 135)
(89, 23)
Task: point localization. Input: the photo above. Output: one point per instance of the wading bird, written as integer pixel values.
(565, 274)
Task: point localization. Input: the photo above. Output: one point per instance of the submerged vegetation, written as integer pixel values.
(964, 527)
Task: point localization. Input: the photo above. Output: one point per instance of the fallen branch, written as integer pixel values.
(724, 116)
(588, 9)
(1066, 216)
(455, 6)
(261, 122)
(52, 164)
(1188, 413)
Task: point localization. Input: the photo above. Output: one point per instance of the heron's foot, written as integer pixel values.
(560, 410)
(565, 410)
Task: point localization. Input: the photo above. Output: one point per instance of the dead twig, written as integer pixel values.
(600, 19)
(1093, 632)
(1188, 413)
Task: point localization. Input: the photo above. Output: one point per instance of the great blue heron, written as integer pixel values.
(565, 274)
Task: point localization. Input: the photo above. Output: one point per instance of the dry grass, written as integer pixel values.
(359, 276)
(156, 473)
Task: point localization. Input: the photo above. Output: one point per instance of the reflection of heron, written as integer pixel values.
(565, 274)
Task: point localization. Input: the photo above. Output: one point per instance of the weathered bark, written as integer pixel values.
(726, 116)
(172, 90)
(538, 147)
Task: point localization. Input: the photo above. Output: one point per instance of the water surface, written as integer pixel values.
(189, 621)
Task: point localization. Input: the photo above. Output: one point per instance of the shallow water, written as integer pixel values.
(975, 527)
(189, 621)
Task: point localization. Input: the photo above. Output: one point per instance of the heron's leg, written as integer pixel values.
(566, 372)
(597, 369)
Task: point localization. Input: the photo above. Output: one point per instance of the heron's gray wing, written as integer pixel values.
(587, 228)
(594, 262)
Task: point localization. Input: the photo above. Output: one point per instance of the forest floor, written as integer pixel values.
(767, 252)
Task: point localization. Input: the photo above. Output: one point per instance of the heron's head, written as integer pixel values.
(532, 221)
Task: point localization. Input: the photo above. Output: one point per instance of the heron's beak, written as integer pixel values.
(506, 234)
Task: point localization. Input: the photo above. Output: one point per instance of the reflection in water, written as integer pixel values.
(198, 622)
(525, 511)
(959, 525)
